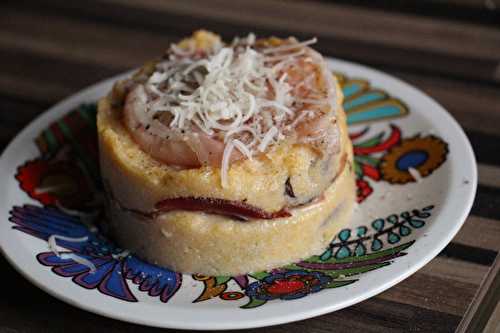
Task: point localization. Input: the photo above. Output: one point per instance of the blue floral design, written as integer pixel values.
(113, 268)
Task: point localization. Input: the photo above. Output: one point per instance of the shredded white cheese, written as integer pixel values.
(52, 241)
(415, 174)
(267, 138)
(76, 212)
(80, 260)
(121, 255)
(225, 162)
(240, 93)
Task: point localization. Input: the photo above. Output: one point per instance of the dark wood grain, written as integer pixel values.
(400, 40)
(480, 12)
(448, 48)
(478, 315)
(14, 115)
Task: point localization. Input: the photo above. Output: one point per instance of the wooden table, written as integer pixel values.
(450, 49)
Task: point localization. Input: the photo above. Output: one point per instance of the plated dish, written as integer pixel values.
(415, 179)
(225, 159)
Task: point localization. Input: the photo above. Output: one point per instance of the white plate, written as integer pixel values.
(391, 235)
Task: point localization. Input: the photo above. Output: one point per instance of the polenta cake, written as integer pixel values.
(223, 159)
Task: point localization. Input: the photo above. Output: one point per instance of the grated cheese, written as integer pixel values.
(242, 148)
(225, 162)
(52, 241)
(289, 47)
(240, 94)
(80, 260)
(122, 255)
(415, 174)
(267, 139)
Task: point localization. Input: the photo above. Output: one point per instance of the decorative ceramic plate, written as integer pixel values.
(416, 180)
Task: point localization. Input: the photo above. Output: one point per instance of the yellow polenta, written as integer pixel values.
(197, 242)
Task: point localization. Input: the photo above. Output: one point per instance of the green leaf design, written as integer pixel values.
(360, 250)
(367, 160)
(292, 267)
(393, 238)
(404, 230)
(259, 275)
(393, 219)
(416, 223)
(253, 303)
(336, 284)
(361, 231)
(357, 169)
(354, 271)
(371, 142)
(376, 244)
(343, 252)
(344, 235)
(393, 250)
(326, 255)
(378, 224)
(221, 280)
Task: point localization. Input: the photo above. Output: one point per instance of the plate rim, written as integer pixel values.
(64, 105)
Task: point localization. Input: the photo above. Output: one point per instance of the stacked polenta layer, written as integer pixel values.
(317, 190)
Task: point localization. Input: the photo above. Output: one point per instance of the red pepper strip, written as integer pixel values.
(231, 208)
(370, 171)
(391, 141)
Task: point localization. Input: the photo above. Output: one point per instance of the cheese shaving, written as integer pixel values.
(415, 174)
(267, 139)
(81, 260)
(225, 162)
(74, 212)
(243, 148)
(122, 255)
(288, 47)
(52, 241)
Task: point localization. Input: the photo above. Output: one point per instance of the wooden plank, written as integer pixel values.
(470, 254)
(475, 106)
(493, 325)
(487, 202)
(348, 22)
(481, 12)
(374, 315)
(14, 115)
(485, 147)
(97, 43)
(484, 304)
(437, 291)
(490, 5)
(389, 39)
(480, 232)
(45, 79)
(455, 270)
